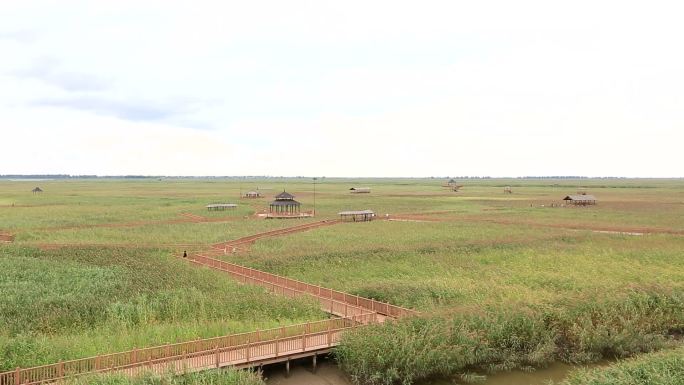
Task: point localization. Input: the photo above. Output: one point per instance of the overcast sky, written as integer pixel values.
(342, 88)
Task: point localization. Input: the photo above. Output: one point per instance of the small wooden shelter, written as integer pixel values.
(252, 194)
(360, 190)
(37, 190)
(356, 215)
(581, 199)
(220, 206)
(284, 204)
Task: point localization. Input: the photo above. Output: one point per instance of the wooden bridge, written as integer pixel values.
(238, 350)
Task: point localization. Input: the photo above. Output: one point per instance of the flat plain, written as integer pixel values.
(503, 280)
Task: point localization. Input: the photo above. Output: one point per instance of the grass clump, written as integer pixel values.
(500, 339)
(662, 368)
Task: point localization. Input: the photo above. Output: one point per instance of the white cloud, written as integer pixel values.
(380, 88)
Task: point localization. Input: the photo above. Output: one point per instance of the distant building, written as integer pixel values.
(360, 190)
(357, 216)
(252, 194)
(581, 199)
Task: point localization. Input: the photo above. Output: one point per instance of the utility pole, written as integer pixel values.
(314, 208)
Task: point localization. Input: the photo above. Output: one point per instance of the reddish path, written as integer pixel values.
(578, 226)
(6, 237)
(186, 218)
(243, 243)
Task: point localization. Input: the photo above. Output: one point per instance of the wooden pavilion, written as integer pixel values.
(356, 215)
(284, 205)
(581, 199)
(37, 190)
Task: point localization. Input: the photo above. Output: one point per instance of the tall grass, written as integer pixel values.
(72, 303)
(503, 339)
(663, 368)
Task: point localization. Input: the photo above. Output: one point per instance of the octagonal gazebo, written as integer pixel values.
(284, 204)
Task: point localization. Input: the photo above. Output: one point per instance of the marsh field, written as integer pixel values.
(503, 281)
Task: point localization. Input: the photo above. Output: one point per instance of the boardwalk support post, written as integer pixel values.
(287, 368)
(314, 362)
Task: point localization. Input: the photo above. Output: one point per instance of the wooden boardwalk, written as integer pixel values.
(332, 301)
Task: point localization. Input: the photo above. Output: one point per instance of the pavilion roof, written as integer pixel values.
(284, 195)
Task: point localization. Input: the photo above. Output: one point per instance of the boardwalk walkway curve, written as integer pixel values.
(238, 350)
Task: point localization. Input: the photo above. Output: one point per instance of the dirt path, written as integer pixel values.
(6, 237)
(242, 244)
(604, 229)
(580, 226)
(186, 218)
(175, 246)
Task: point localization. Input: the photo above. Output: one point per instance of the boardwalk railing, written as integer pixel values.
(329, 305)
(245, 349)
(280, 285)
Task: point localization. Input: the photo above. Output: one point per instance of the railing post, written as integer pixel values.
(17, 375)
(304, 340)
(134, 355)
(247, 351)
(329, 334)
(277, 343)
(217, 357)
(97, 363)
(60, 369)
(345, 309)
